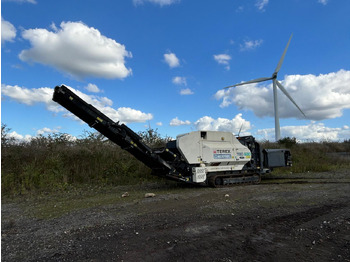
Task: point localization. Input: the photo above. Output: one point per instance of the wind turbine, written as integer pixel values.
(276, 84)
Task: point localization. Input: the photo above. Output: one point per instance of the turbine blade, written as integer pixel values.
(290, 98)
(251, 81)
(282, 57)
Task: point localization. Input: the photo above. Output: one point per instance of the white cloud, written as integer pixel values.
(177, 122)
(171, 60)
(324, 2)
(320, 97)
(46, 130)
(260, 4)
(186, 91)
(250, 45)
(44, 95)
(129, 115)
(31, 96)
(223, 59)
(21, 1)
(159, 123)
(8, 31)
(41, 132)
(19, 137)
(313, 132)
(157, 2)
(223, 124)
(77, 50)
(179, 80)
(92, 88)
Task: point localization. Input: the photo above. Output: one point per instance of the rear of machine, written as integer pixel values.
(202, 157)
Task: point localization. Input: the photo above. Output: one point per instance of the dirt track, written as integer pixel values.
(302, 218)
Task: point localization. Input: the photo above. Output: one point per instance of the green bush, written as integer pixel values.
(56, 161)
(312, 156)
(288, 142)
(153, 139)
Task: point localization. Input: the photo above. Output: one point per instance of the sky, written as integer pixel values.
(163, 64)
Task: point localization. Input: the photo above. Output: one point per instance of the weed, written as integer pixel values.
(56, 162)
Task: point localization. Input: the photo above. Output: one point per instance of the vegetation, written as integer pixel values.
(153, 139)
(314, 156)
(58, 162)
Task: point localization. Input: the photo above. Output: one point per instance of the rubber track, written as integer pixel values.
(211, 180)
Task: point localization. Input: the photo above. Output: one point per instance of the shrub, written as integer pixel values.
(312, 156)
(57, 161)
(288, 142)
(153, 139)
(53, 162)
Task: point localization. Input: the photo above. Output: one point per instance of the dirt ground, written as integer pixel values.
(302, 217)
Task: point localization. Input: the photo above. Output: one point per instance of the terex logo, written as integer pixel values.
(222, 151)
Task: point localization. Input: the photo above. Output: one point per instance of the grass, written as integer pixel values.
(52, 164)
(49, 205)
(60, 204)
(56, 163)
(315, 157)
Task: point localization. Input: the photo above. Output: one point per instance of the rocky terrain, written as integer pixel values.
(301, 217)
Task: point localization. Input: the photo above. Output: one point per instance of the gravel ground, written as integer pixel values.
(302, 217)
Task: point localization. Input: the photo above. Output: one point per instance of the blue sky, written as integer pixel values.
(163, 63)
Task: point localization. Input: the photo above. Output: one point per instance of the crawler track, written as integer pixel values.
(227, 180)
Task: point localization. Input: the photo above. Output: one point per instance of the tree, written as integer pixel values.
(6, 140)
(152, 138)
(288, 141)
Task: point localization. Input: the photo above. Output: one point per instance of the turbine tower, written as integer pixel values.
(276, 84)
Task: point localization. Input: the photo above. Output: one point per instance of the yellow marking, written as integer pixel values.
(99, 119)
(70, 98)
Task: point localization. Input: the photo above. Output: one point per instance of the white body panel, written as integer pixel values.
(213, 151)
